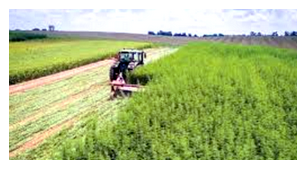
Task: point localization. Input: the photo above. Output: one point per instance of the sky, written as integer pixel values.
(195, 21)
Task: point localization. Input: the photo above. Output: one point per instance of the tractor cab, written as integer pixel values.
(131, 55)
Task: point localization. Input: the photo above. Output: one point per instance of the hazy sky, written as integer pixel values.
(140, 21)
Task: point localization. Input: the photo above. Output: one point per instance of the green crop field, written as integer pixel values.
(33, 59)
(206, 101)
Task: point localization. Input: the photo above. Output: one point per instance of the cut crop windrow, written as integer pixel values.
(42, 111)
(53, 116)
(106, 108)
(50, 97)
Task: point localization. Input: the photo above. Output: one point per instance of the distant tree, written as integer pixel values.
(17, 29)
(252, 33)
(51, 27)
(195, 35)
(151, 33)
(35, 29)
(259, 34)
(44, 29)
(214, 35)
(221, 35)
(165, 33)
(293, 33)
(190, 35)
(205, 35)
(180, 35)
(160, 32)
(177, 34)
(287, 33)
(275, 34)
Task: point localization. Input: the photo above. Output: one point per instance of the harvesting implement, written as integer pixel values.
(127, 61)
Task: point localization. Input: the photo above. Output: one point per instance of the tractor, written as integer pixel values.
(127, 61)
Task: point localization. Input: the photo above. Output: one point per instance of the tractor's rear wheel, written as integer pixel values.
(112, 74)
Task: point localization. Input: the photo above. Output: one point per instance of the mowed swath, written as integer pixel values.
(55, 77)
(36, 110)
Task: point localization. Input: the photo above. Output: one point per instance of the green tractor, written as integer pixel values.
(127, 60)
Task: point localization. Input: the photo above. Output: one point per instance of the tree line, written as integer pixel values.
(275, 34)
(252, 33)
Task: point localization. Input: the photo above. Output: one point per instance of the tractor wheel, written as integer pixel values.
(112, 74)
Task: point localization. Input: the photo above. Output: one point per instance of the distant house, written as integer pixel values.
(51, 27)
